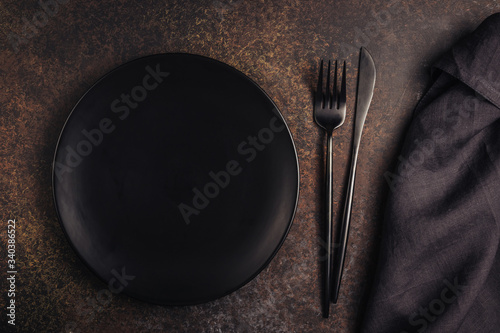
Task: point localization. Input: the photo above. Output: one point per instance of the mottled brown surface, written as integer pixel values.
(278, 44)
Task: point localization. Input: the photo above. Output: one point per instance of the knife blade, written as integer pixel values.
(366, 83)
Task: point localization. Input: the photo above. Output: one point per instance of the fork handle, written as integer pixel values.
(329, 223)
(346, 219)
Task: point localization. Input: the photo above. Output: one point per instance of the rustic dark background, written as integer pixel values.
(49, 59)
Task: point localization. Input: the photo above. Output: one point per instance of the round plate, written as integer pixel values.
(175, 179)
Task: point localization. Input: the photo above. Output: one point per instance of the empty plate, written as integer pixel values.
(175, 179)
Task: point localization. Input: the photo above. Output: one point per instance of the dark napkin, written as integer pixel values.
(439, 265)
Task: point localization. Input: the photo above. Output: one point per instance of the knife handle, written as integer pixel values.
(346, 219)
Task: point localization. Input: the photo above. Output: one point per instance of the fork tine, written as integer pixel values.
(342, 98)
(334, 96)
(328, 95)
(319, 100)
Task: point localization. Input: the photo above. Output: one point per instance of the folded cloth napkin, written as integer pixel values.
(439, 265)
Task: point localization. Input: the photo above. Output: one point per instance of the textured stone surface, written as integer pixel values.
(276, 43)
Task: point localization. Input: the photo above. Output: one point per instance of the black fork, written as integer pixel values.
(329, 114)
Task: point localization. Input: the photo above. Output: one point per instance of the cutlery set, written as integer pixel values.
(329, 114)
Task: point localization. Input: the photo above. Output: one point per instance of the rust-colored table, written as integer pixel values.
(51, 53)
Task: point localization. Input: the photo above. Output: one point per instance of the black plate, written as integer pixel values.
(175, 179)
